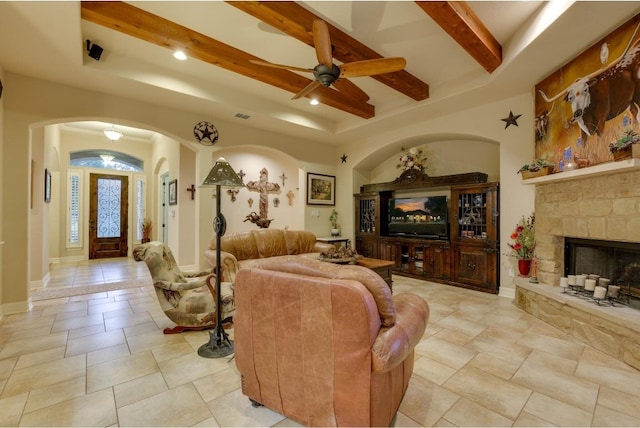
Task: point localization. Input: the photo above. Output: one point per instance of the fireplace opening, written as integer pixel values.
(617, 261)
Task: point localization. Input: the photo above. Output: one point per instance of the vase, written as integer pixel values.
(524, 266)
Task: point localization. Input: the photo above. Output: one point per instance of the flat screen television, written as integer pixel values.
(423, 217)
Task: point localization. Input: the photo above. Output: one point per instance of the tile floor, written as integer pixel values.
(101, 360)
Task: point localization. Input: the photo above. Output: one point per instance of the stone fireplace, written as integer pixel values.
(600, 203)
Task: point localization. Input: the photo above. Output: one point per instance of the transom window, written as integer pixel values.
(106, 159)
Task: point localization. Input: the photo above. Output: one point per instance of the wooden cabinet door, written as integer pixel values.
(477, 266)
(441, 259)
(390, 250)
(367, 247)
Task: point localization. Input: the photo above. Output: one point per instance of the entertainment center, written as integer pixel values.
(442, 229)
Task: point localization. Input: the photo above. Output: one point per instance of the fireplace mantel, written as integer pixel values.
(626, 165)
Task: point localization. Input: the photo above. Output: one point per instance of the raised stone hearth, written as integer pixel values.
(612, 330)
(595, 203)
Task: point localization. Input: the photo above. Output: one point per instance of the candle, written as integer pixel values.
(571, 279)
(613, 291)
(604, 282)
(599, 293)
(580, 279)
(590, 284)
(564, 282)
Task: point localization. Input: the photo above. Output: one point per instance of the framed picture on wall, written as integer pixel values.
(321, 189)
(173, 192)
(47, 185)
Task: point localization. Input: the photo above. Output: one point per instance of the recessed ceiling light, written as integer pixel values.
(180, 55)
(314, 102)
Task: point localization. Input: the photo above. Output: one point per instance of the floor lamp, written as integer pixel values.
(220, 175)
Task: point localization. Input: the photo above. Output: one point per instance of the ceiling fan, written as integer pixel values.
(326, 73)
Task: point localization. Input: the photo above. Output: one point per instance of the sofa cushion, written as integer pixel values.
(241, 244)
(299, 241)
(270, 242)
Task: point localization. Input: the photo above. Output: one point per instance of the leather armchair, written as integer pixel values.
(325, 344)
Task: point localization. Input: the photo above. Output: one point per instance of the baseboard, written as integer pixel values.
(40, 283)
(507, 292)
(14, 308)
(68, 259)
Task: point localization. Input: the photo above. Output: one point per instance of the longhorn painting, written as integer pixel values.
(591, 101)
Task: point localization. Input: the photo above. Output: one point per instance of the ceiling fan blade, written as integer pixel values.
(371, 67)
(322, 42)
(307, 89)
(285, 67)
(351, 90)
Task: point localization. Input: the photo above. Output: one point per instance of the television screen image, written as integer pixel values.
(425, 217)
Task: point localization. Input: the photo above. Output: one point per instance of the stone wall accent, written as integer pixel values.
(616, 336)
(593, 207)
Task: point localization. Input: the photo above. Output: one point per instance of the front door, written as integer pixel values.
(108, 208)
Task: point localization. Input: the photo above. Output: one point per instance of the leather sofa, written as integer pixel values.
(243, 249)
(325, 344)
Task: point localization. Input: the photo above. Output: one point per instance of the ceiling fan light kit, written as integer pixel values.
(326, 73)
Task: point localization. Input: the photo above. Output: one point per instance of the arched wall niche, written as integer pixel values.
(446, 154)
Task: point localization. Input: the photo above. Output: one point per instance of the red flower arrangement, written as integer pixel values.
(523, 238)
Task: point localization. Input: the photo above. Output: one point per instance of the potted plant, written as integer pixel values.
(524, 242)
(537, 168)
(333, 219)
(147, 227)
(624, 147)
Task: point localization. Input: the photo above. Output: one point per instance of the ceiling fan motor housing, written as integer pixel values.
(325, 75)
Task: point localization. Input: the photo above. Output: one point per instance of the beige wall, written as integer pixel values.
(56, 104)
(251, 149)
(2, 246)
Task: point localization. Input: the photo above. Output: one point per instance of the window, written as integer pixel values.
(140, 204)
(74, 236)
(106, 159)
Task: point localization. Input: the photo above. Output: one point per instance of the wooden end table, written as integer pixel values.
(381, 267)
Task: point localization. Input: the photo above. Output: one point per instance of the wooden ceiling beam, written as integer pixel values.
(461, 23)
(296, 21)
(135, 22)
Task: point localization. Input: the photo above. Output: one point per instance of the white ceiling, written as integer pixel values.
(47, 41)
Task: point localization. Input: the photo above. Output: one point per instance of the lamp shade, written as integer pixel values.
(222, 174)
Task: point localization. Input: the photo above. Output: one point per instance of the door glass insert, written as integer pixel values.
(109, 193)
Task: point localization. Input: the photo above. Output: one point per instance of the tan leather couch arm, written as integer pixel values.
(319, 247)
(394, 343)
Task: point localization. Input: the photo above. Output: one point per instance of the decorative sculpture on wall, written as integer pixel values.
(283, 178)
(276, 202)
(232, 193)
(250, 202)
(290, 195)
(264, 188)
(262, 223)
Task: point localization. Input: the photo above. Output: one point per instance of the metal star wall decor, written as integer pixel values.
(343, 158)
(205, 133)
(511, 120)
